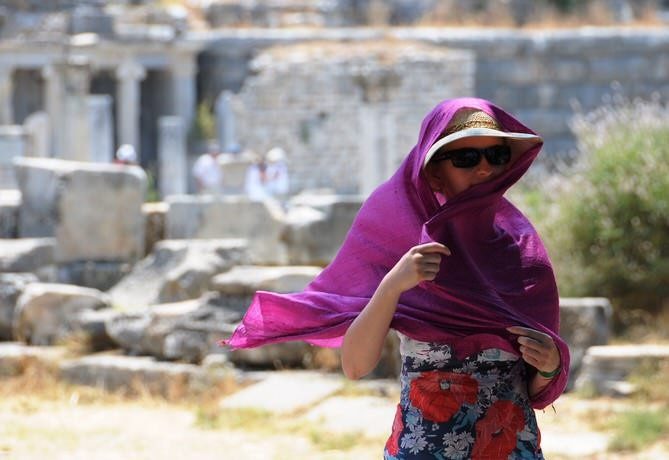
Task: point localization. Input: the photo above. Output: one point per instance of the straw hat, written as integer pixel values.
(474, 123)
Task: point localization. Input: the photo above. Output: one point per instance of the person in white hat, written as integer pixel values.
(126, 155)
(277, 182)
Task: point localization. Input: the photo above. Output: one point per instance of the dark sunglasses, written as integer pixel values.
(497, 155)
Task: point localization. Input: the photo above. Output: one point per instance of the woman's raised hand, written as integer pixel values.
(537, 348)
(420, 263)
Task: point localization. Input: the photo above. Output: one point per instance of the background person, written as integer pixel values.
(277, 183)
(208, 173)
(126, 155)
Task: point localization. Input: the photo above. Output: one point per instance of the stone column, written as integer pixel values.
(54, 97)
(368, 142)
(183, 88)
(130, 75)
(225, 123)
(13, 144)
(172, 161)
(377, 149)
(67, 86)
(6, 92)
(101, 128)
(36, 126)
(76, 143)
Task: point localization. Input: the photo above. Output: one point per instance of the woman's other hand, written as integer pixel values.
(420, 263)
(537, 349)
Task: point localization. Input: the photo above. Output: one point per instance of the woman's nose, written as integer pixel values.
(484, 168)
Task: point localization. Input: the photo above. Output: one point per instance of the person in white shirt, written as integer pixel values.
(277, 173)
(255, 181)
(267, 178)
(208, 173)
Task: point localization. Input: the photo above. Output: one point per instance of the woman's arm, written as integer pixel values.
(363, 342)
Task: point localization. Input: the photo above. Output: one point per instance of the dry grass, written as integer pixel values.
(43, 417)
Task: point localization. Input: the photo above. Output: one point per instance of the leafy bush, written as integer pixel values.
(204, 123)
(606, 224)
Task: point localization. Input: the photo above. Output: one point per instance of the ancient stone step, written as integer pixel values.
(26, 255)
(134, 374)
(176, 270)
(11, 288)
(16, 357)
(606, 368)
(47, 313)
(285, 392)
(373, 415)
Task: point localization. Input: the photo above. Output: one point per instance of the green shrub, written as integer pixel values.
(204, 123)
(606, 224)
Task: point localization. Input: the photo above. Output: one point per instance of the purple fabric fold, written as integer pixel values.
(498, 275)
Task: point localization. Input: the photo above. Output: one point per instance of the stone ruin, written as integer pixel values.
(80, 273)
(84, 258)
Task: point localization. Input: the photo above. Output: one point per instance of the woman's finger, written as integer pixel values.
(533, 354)
(534, 344)
(432, 248)
(532, 333)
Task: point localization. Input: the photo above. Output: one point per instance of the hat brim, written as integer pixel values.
(521, 142)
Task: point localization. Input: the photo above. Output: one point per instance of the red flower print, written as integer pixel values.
(439, 395)
(393, 443)
(497, 431)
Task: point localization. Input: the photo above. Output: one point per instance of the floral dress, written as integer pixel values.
(474, 408)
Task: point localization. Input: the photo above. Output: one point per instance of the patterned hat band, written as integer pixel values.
(466, 119)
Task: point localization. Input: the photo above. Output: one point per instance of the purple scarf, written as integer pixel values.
(498, 275)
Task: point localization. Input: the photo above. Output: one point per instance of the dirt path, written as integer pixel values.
(71, 423)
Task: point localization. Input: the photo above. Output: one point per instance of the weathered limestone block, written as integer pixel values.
(237, 288)
(154, 215)
(276, 355)
(47, 313)
(10, 200)
(11, 287)
(93, 210)
(16, 358)
(317, 226)
(246, 280)
(186, 331)
(606, 369)
(26, 255)
(234, 167)
(96, 275)
(584, 322)
(176, 270)
(230, 217)
(92, 323)
(133, 374)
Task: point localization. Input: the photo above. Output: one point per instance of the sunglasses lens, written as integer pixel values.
(465, 158)
(498, 155)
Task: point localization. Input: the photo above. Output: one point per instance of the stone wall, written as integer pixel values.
(346, 113)
(540, 76)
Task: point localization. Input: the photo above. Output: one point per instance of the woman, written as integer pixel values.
(437, 254)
